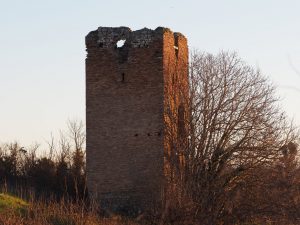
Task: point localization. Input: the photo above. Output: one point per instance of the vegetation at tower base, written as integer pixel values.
(233, 161)
(14, 211)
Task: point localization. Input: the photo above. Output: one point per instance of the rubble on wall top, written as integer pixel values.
(109, 36)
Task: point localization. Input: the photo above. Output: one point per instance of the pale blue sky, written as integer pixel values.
(43, 53)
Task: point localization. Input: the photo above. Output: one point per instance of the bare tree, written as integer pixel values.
(64, 148)
(77, 136)
(77, 133)
(51, 146)
(234, 126)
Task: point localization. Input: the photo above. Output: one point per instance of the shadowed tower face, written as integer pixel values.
(128, 78)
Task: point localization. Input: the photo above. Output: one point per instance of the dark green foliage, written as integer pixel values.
(43, 175)
(61, 173)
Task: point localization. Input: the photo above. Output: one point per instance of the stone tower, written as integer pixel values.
(127, 97)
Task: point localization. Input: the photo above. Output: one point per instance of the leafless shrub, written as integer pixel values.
(234, 127)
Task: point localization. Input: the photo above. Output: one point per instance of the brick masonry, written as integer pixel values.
(127, 90)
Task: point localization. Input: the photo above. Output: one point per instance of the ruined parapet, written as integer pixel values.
(126, 102)
(107, 37)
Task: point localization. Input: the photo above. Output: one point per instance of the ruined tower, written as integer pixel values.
(130, 76)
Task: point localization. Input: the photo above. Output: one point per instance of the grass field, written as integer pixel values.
(15, 211)
(8, 202)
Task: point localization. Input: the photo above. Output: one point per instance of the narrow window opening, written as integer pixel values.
(120, 43)
(176, 46)
(180, 120)
(122, 50)
(123, 77)
(173, 79)
(100, 45)
(176, 50)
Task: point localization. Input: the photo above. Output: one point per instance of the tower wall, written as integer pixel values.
(126, 91)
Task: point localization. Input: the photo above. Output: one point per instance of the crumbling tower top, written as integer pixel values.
(107, 37)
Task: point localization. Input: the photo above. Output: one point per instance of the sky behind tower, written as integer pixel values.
(42, 57)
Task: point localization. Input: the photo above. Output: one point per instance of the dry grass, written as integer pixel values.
(52, 213)
(8, 202)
